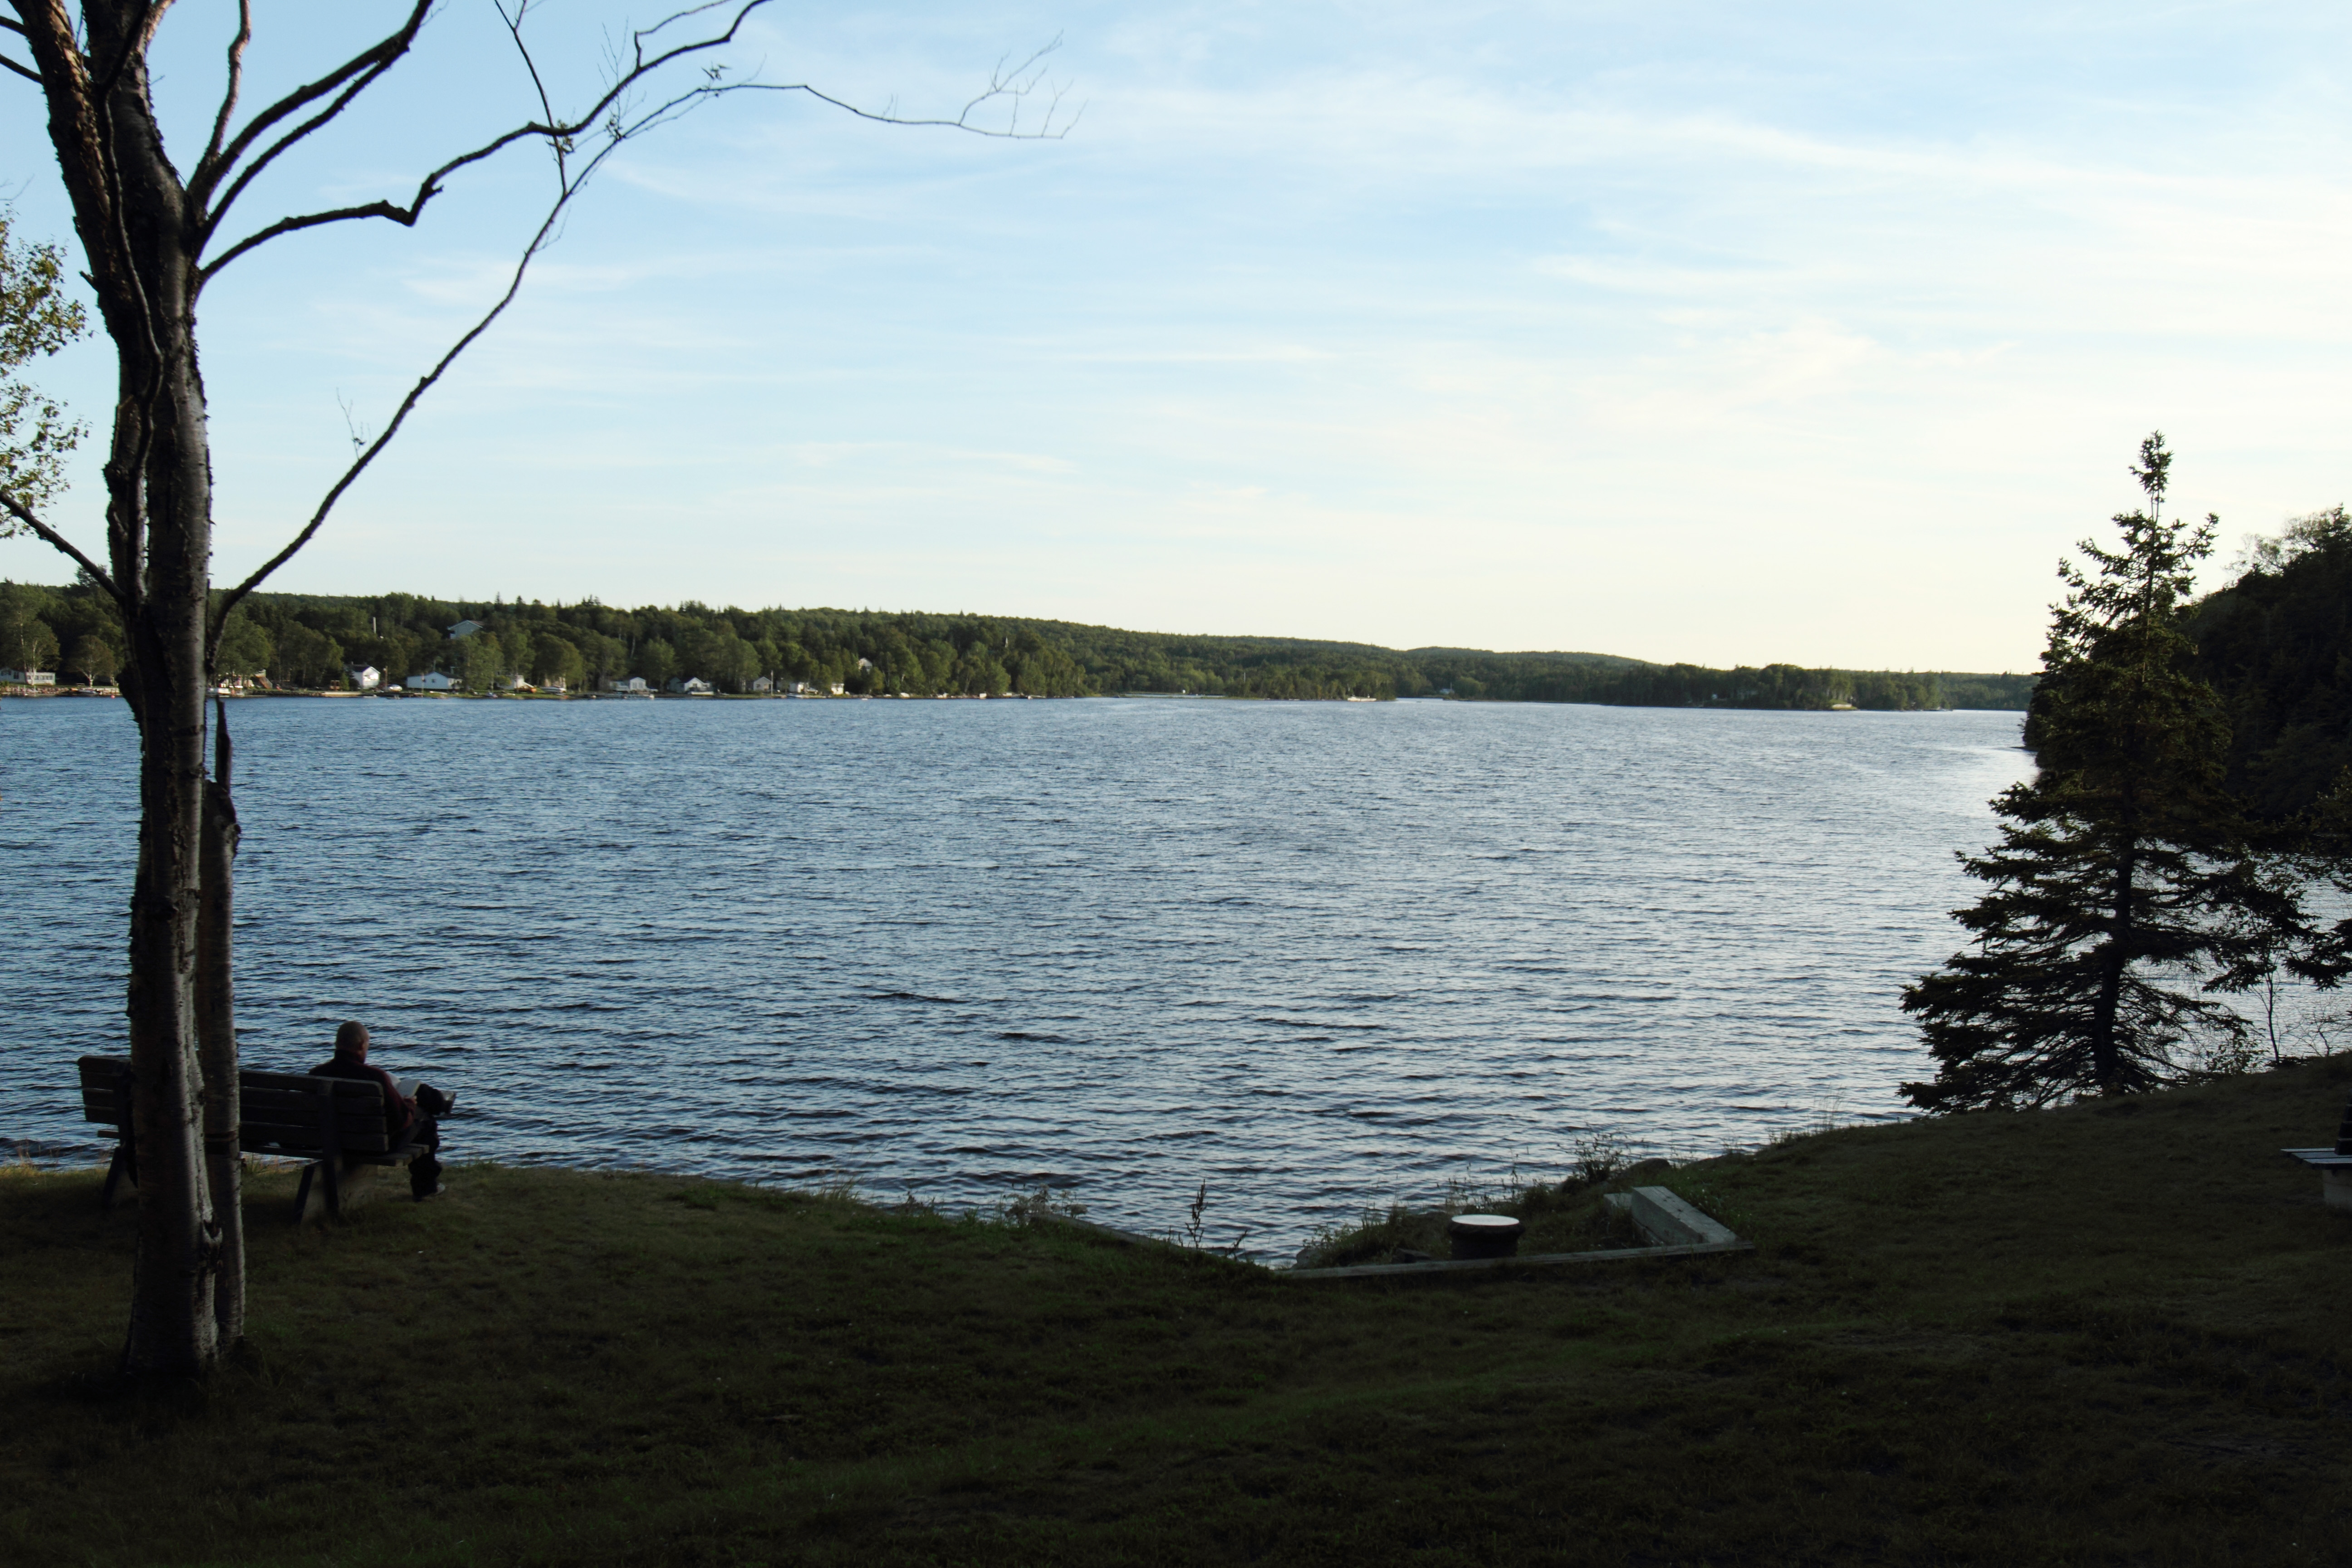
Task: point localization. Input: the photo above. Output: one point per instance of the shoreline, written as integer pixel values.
(50, 693)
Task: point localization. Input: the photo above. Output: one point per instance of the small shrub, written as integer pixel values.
(1376, 1238)
(1040, 1207)
(1598, 1155)
(2222, 1052)
(1192, 1232)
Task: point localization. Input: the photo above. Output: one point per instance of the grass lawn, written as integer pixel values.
(2117, 1334)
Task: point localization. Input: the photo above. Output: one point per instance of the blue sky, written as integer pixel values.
(1722, 332)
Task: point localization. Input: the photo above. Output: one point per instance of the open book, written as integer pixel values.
(442, 1101)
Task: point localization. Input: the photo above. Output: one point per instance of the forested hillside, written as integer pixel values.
(305, 641)
(2277, 645)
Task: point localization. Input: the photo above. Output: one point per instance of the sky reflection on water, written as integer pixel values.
(1317, 955)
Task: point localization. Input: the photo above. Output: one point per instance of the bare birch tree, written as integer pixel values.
(154, 236)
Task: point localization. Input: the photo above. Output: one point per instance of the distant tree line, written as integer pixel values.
(70, 629)
(1587, 678)
(307, 642)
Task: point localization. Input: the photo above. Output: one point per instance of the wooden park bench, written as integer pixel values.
(334, 1125)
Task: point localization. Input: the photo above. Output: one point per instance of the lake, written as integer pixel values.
(1316, 955)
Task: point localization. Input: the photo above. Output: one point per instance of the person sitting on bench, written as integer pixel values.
(400, 1113)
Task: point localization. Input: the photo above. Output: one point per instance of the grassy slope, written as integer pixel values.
(2113, 1333)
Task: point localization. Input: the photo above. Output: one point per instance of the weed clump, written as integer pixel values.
(1038, 1208)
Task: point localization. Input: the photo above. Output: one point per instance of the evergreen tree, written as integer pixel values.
(2123, 870)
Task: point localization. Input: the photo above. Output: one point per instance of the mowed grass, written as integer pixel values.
(2118, 1334)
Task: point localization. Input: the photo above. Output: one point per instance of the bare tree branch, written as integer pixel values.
(1003, 86)
(1015, 85)
(514, 29)
(24, 514)
(618, 126)
(236, 81)
(27, 72)
(557, 132)
(408, 403)
(426, 189)
(369, 66)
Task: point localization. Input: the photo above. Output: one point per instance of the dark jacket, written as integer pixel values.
(398, 1109)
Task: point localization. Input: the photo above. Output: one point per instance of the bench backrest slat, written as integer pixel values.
(100, 1076)
(290, 1141)
(254, 1101)
(344, 1088)
(276, 1110)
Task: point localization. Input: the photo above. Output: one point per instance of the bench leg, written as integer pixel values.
(114, 1169)
(324, 1170)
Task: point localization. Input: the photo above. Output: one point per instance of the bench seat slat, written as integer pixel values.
(255, 1077)
(309, 1149)
(295, 1128)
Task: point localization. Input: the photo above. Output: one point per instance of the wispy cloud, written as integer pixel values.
(1691, 330)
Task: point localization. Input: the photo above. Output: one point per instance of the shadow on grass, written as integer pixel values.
(2107, 1334)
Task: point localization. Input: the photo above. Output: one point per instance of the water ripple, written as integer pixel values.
(1317, 955)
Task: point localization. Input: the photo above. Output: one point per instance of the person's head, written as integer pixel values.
(352, 1040)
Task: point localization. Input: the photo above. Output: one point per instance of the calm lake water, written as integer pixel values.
(1316, 955)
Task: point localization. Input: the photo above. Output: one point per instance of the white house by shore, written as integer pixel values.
(432, 680)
